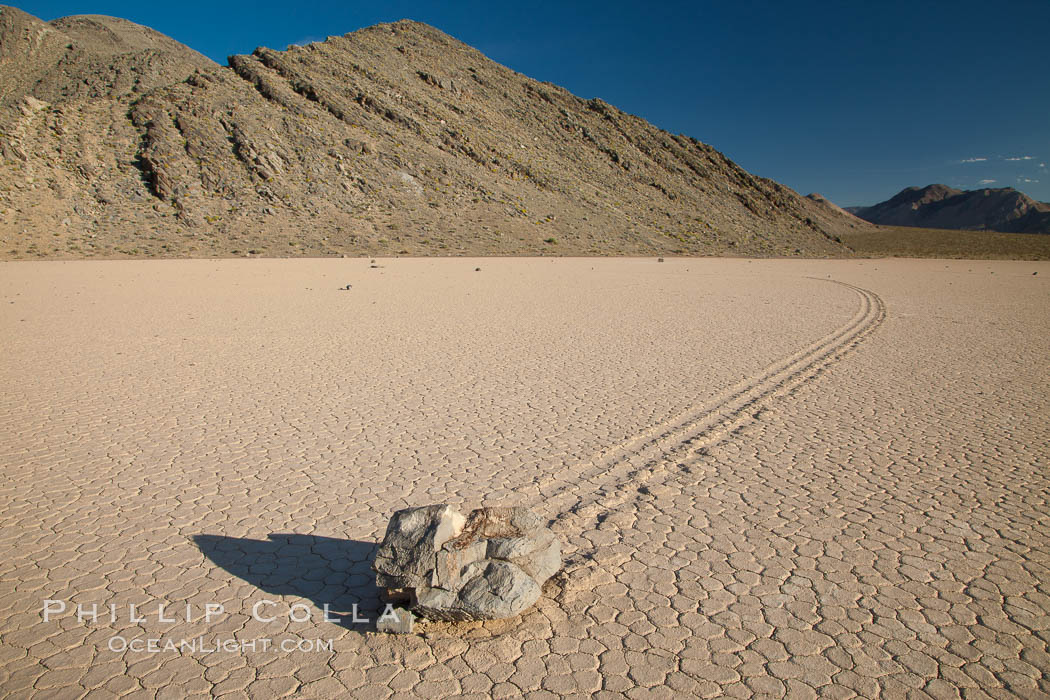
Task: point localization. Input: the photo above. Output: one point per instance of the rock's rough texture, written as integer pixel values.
(487, 566)
(406, 559)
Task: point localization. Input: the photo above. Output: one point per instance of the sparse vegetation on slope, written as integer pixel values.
(909, 242)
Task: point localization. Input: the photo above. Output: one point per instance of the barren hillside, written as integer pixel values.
(395, 139)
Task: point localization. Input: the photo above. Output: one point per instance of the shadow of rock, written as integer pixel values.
(326, 570)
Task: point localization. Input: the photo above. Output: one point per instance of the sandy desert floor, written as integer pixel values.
(774, 478)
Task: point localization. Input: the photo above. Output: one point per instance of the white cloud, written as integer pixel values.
(973, 160)
(1025, 179)
(1019, 158)
(985, 182)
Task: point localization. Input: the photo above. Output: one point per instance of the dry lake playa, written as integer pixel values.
(773, 478)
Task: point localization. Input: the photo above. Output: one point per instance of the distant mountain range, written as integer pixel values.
(939, 206)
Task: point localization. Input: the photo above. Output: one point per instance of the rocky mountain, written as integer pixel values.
(828, 204)
(939, 206)
(395, 139)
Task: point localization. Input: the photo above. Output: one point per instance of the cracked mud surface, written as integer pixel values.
(774, 478)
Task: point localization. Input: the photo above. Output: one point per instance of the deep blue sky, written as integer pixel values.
(855, 100)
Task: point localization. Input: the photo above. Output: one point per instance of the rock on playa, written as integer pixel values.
(489, 565)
